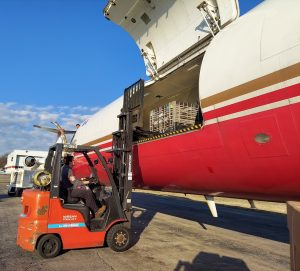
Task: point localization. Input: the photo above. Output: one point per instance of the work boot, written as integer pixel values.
(100, 211)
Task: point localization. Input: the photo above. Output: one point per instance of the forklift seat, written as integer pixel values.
(77, 204)
(71, 199)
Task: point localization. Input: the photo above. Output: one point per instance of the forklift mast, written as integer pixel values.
(129, 119)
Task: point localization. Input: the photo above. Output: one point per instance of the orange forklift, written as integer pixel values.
(50, 222)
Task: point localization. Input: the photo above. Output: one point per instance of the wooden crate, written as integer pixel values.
(173, 116)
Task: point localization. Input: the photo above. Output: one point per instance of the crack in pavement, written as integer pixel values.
(104, 262)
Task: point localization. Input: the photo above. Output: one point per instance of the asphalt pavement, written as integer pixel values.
(169, 233)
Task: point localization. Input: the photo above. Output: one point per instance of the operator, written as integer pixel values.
(78, 188)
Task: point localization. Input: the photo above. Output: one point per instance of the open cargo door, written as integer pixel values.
(171, 33)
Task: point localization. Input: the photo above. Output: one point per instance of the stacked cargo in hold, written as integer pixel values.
(173, 116)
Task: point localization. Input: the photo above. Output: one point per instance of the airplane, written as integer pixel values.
(61, 133)
(221, 111)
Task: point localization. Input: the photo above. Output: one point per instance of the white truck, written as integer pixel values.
(21, 165)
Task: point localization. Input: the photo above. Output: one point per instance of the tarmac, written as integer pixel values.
(168, 233)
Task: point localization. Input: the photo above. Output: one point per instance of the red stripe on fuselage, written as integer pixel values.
(105, 145)
(13, 167)
(275, 96)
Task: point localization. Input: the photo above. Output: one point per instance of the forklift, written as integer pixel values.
(51, 222)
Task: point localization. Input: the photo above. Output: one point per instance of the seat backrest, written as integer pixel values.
(71, 199)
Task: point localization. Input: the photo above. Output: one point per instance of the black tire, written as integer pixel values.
(118, 238)
(49, 246)
(19, 192)
(11, 194)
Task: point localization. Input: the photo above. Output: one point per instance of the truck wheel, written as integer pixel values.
(19, 192)
(11, 194)
(118, 238)
(49, 246)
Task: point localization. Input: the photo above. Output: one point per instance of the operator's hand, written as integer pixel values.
(85, 181)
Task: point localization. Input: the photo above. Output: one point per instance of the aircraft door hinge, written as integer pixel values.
(211, 17)
(150, 61)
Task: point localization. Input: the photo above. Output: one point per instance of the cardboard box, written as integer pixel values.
(293, 215)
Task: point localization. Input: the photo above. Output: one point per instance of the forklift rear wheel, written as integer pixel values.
(118, 238)
(49, 246)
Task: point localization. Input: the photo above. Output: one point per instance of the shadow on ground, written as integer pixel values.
(212, 262)
(258, 223)
(3, 196)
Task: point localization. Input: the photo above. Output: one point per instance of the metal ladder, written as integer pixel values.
(210, 16)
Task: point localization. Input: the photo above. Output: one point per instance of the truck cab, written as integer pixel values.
(21, 165)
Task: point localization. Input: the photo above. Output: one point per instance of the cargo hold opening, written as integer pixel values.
(172, 103)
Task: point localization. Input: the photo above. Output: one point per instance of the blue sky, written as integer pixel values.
(60, 60)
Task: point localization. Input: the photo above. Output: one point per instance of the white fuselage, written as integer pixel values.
(245, 78)
(253, 46)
